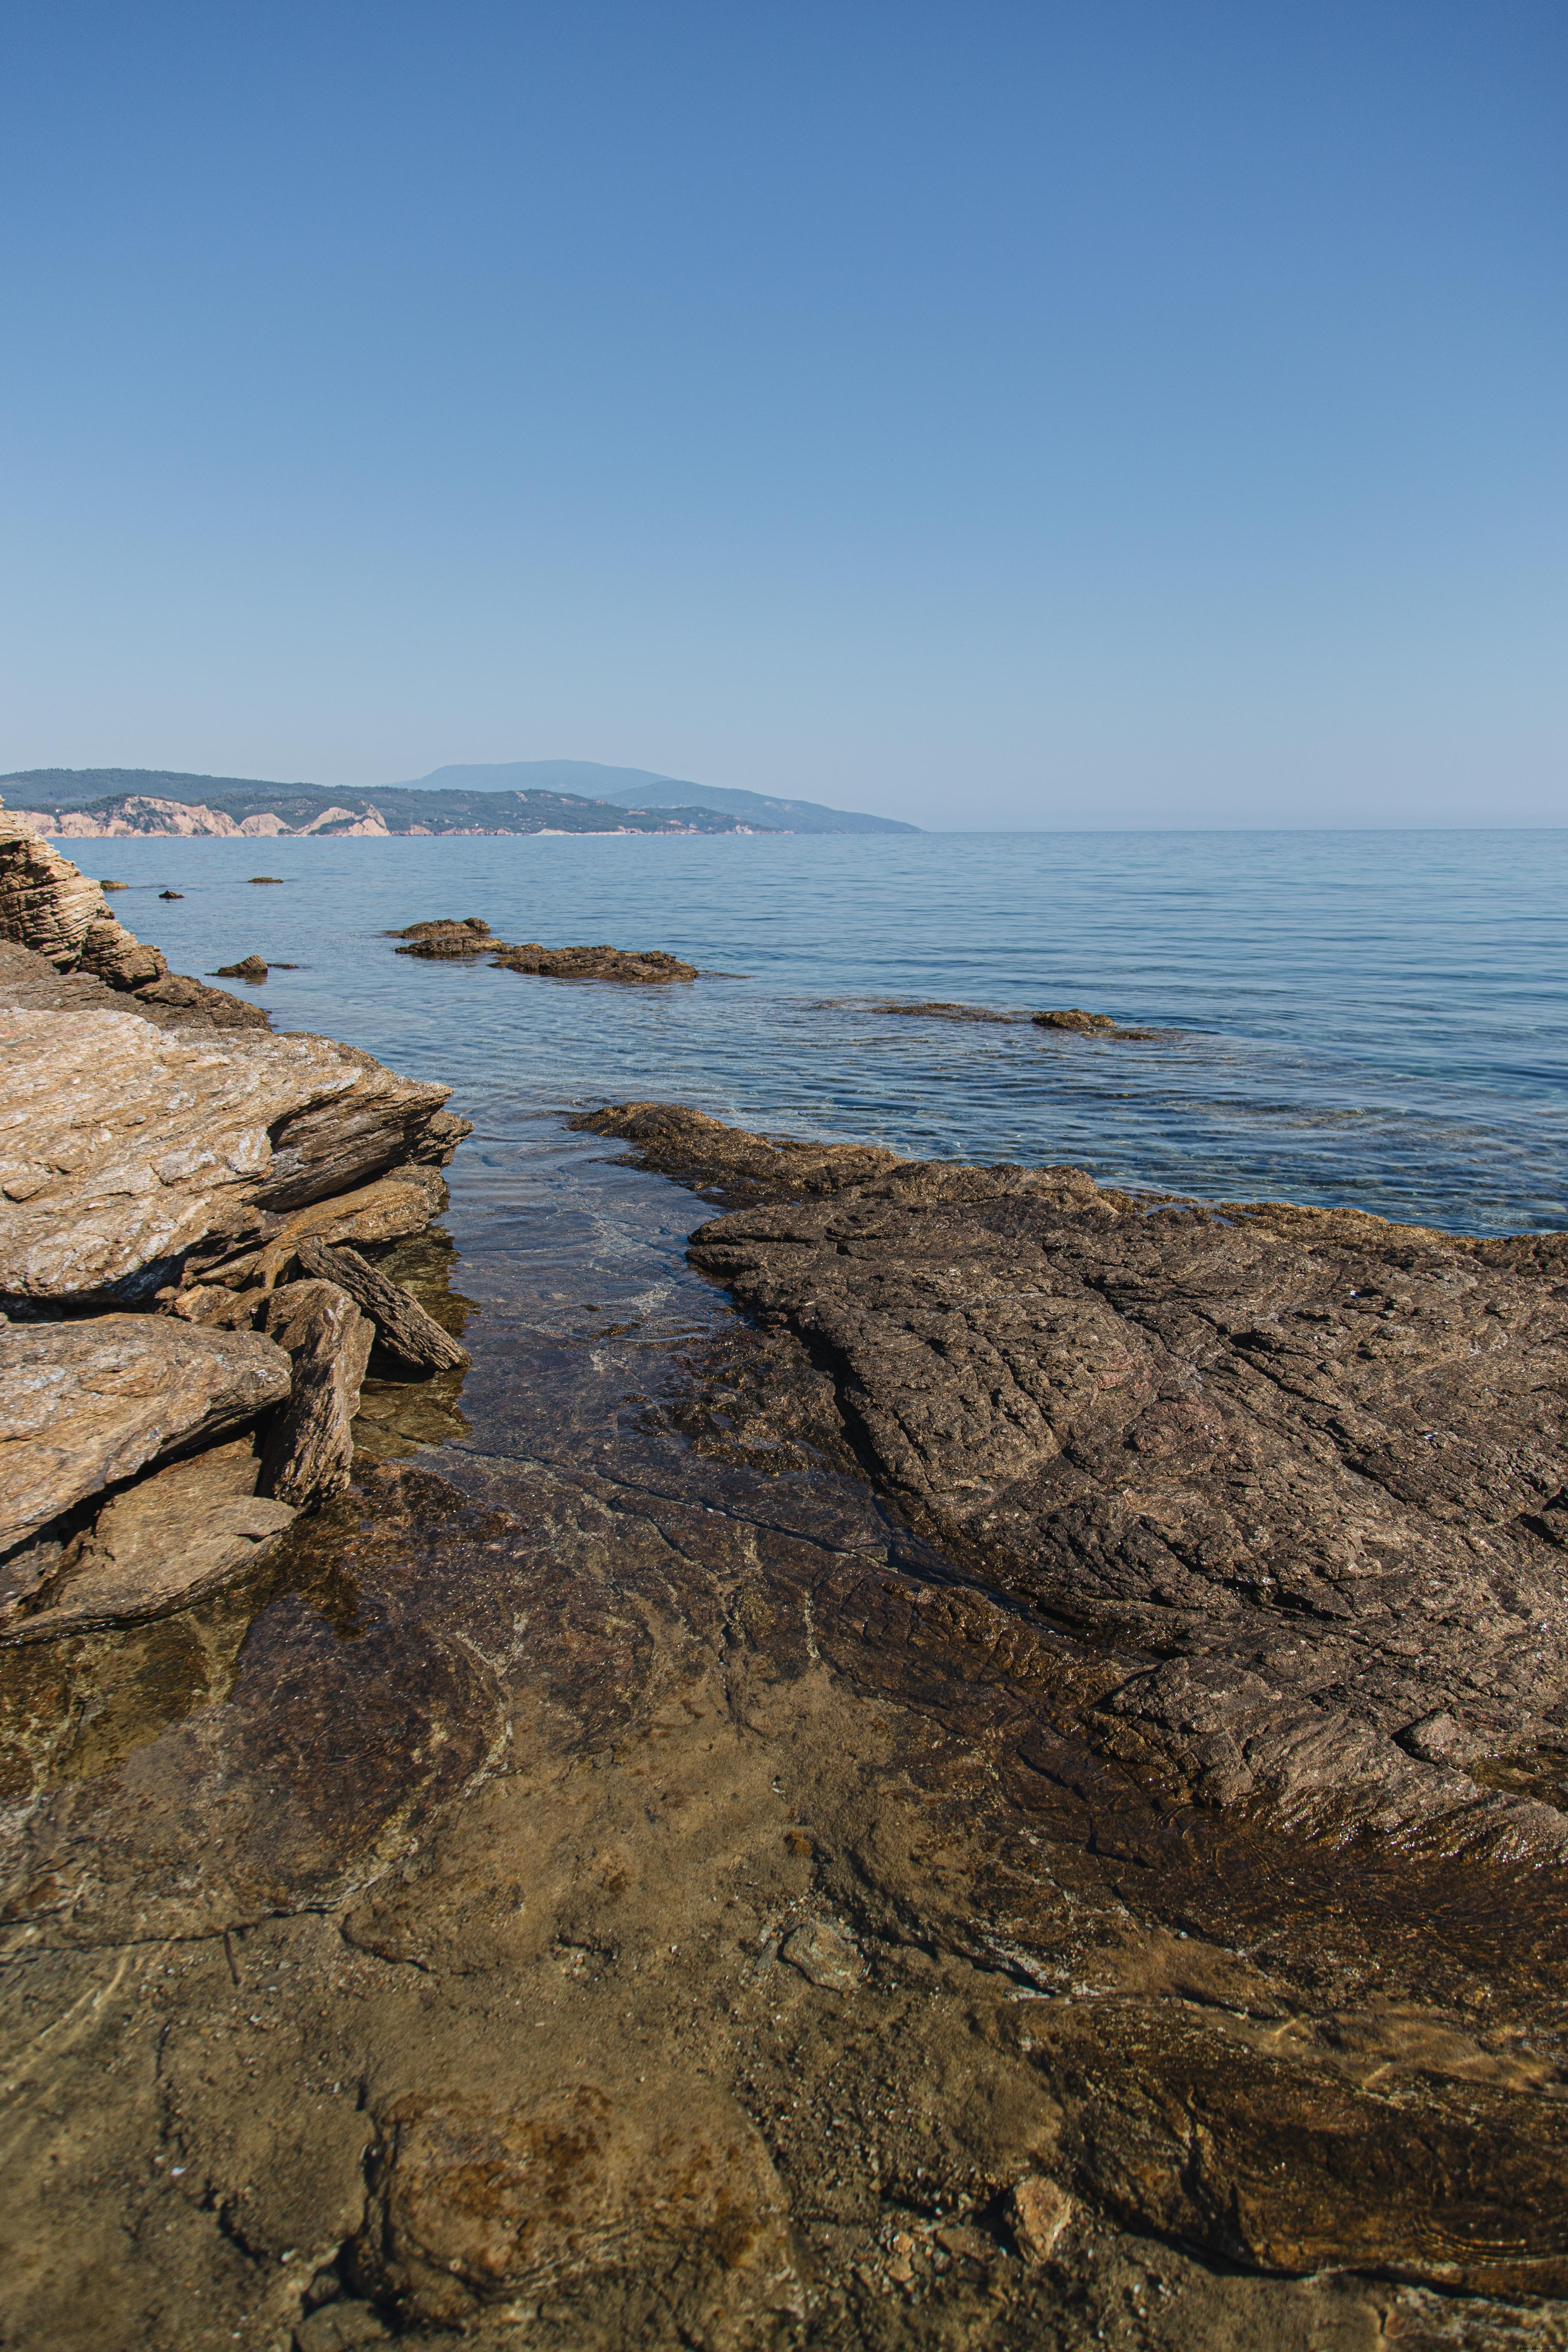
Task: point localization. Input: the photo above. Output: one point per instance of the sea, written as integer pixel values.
(1377, 1019)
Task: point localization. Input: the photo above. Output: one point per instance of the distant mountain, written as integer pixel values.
(72, 804)
(640, 788)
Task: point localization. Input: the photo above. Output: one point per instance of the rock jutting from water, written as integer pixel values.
(444, 940)
(251, 967)
(634, 968)
(1296, 1474)
(1079, 1024)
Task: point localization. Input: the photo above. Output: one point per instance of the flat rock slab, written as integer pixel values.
(163, 1544)
(633, 967)
(85, 1405)
(1299, 1475)
(121, 1146)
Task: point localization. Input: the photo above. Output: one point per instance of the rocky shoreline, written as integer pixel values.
(1009, 1793)
(185, 1334)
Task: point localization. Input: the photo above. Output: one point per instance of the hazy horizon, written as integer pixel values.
(1043, 420)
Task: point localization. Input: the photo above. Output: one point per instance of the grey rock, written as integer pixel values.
(86, 1404)
(309, 1453)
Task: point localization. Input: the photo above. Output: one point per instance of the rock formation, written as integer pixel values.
(88, 1404)
(1296, 1475)
(638, 967)
(151, 1160)
(48, 906)
(1073, 1018)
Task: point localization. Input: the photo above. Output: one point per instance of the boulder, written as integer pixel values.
(251, 967)
(162, 1544)
(446, 941)
(402, 1326)
(309, 1452)
(124, 1147)
(86, 1404)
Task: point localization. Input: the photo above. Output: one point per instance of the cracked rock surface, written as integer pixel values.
(1299, 1476)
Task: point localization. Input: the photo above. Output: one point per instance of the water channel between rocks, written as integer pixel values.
(601, 1883)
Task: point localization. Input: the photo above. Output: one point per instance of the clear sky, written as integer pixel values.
(1128, 412)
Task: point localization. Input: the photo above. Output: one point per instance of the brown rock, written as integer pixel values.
(636, 968)
(122, 1147)
(212, 1008)
(85, 1405)
(402, 1326)
(45, 902)
(479, 2205)
(727, 1162)
(161, 1545)
(251, 967)
(1299, 1473)
(1088, 1024)
(1038, 2212)
(118, 958)
(447, 940)
(309, 1452)
(825, 1956)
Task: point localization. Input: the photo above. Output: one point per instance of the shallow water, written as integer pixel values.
(1373, 1018)
(447, 1759)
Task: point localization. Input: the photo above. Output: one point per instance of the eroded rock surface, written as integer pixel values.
(730, 1163)
(638, 967)
(161, 1545)
(309, 1452)
(121, 1147)
(1299, 1475)
(85, 1405)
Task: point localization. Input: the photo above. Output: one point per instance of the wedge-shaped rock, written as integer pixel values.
(163, 1543)
(311, 1452)
(122, 1145)
(402, 1326)
(85, 1405)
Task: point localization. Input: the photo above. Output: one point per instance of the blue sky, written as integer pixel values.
(1107, 413)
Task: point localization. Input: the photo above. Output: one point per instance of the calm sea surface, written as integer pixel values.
(1373, 1018)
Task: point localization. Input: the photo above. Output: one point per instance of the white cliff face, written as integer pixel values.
(137, 812)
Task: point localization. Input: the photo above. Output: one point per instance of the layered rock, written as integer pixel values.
(48, 908)
(84, 1405)
(122, 1147)
(1298, 1474)
(165, 1542)
(310, 1451)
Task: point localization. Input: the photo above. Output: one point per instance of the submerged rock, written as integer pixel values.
(1299, 1473)
(940, 1012)
(86, 1404)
